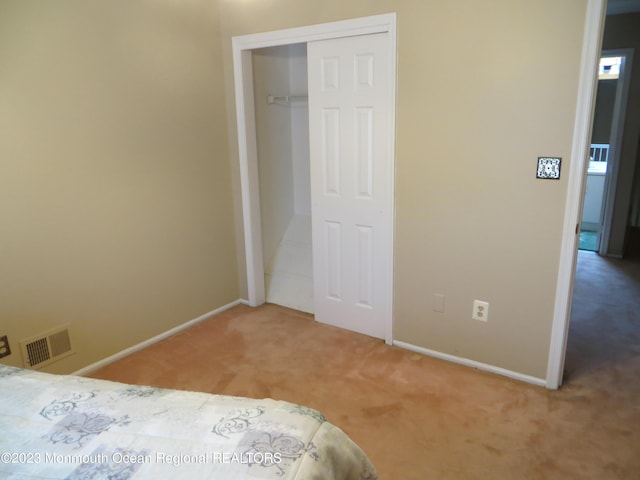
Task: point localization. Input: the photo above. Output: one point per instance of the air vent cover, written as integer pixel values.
(46, 348)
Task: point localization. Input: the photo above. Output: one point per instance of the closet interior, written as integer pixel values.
(282, 130)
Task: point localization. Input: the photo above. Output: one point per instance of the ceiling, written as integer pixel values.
(615, 7)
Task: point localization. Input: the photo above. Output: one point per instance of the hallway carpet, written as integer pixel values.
(418, 417)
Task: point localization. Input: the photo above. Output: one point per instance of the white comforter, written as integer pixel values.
(67, 427)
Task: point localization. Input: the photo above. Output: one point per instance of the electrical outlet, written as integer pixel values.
(438, 302)
(5, 351)
(480, 310)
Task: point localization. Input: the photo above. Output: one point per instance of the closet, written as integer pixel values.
(316, 120)
(282, 131)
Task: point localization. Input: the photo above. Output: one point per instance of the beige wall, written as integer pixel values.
(603, 112)
(115, 201)
(484, 88)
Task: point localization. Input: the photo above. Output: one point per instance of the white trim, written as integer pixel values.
(591, 44)
(247, 154)
(324, 31)
(245, 113)
(393, 60)
(472, 363)
(615, 147)
(139, 346)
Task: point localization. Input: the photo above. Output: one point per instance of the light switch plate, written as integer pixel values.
(438, 302)
(549, 168)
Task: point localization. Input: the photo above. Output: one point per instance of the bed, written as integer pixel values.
(70, 427)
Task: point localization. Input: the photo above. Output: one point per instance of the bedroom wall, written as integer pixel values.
(481, 94)
(115, 201)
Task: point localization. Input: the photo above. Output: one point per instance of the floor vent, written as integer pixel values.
(46, 348)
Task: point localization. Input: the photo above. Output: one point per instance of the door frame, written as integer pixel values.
(615, 147)
(242, 47)
(591, 49)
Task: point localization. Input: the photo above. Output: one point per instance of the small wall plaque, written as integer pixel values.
(549, 168)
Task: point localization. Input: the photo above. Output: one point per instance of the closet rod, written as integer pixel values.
(285, 99)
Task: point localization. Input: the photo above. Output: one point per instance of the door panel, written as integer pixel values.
(351, 192)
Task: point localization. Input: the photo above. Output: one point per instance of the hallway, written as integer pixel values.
(604, 332)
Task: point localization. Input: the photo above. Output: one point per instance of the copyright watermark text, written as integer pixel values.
(126, 457)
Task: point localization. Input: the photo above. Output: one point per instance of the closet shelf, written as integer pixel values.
(286, 99)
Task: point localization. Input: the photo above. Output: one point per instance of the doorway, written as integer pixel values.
(604, 152)
(243, 49)
(587, 87)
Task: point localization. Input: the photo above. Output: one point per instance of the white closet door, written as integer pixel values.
(350, 122)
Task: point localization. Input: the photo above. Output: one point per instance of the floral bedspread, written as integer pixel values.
(69, 427)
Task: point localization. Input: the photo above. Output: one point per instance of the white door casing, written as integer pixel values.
(351, 191)
(591, 45)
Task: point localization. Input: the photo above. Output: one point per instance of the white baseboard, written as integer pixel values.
(472, 363)
(157, 338)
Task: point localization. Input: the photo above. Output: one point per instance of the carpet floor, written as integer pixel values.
(419, 417)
